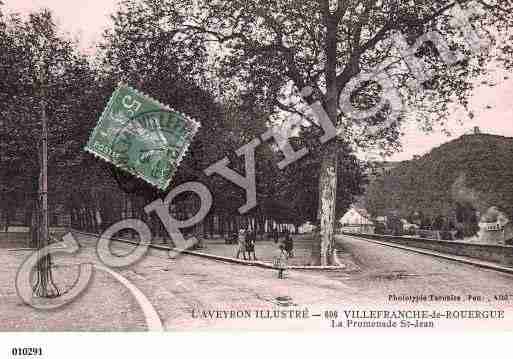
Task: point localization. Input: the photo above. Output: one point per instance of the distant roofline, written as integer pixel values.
(387, 162)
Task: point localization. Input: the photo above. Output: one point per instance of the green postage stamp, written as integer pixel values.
(142, 136)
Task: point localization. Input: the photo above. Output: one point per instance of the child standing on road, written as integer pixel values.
(283, 260)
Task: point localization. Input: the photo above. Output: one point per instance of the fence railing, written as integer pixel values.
(426, 233)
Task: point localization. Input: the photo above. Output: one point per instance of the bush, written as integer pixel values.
(470, 229)
(379, 228)
(445, 235)
(412, 231)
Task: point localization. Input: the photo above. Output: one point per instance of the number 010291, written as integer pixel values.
(21, 352)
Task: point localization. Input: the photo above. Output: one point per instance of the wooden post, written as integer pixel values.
(44, 175)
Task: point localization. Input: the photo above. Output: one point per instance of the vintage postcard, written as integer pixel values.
(352, 174)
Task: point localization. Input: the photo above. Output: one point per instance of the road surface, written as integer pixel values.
(187, 290)
(392, 270)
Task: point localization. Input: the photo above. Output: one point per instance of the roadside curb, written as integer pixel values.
(153, 321)
(460, 259)
(223, 259)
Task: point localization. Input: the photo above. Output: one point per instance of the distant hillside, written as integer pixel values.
(473, 170)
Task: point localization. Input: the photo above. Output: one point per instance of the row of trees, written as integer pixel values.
(93, 193)
(234, 65)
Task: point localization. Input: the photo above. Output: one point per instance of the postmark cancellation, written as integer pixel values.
(142, 136)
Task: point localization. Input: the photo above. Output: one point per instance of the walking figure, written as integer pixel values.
(250, 244)
(241, 241)
(276, 236)
(289, 244)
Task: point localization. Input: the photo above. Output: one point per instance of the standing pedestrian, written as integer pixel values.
(283, 261)
(250, 244)
(241, 241)
(289, 244)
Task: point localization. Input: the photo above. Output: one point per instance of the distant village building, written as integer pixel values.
(492, 226)
(357, 220)
(308, 227)
(382, 168)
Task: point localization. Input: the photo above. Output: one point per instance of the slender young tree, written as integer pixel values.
(48, 100)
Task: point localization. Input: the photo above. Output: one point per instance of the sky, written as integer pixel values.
(85, 19)
(492, 106)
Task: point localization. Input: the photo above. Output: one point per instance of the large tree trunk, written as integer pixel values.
(328, 173)
(327, 204)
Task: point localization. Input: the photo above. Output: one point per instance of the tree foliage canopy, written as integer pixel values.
(235, 66)
(473, 170)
